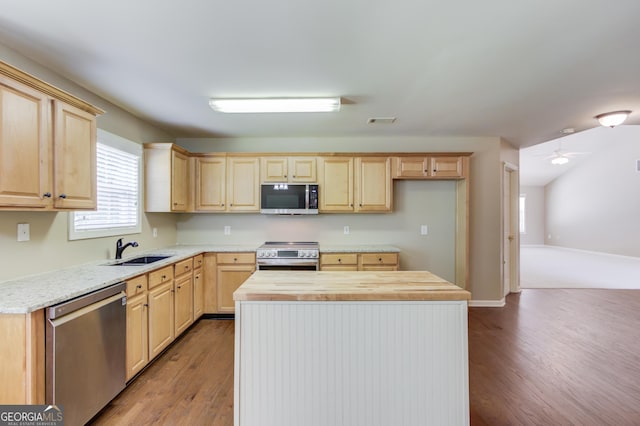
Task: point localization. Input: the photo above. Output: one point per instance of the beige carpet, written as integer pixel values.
(554, 267)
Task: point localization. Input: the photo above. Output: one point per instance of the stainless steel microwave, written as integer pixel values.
(288, 198)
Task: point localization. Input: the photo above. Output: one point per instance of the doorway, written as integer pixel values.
(510, 229)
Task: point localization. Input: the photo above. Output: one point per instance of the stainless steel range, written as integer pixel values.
(294, 256)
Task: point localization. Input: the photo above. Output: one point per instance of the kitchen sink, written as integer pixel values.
(142, 260)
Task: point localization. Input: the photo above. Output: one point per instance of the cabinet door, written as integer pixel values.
(229, 278)
(443, 167)
(183, 303)
(198, 294)
(243, 184)
(302, 169)
(274, 169)
(411, 167)
(137, 334)
(210, 179)
(179, 181)
(74, 162)
(161, 322)
(373, 184)
(24, 146)
(335, 177)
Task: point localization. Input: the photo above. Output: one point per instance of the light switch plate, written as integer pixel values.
(23, 232)
(227, 230)
(346, 230)
(423, 229)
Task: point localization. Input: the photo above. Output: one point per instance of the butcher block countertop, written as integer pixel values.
(347, 286)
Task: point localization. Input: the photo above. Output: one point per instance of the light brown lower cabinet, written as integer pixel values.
(137, 334)
(198, 287)
(232, 270)
(183, 303)
(160, 306)
(161, 318)
(378, 262)
(359, 262)
(338, 262)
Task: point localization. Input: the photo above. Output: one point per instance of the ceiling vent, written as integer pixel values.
(381, 120)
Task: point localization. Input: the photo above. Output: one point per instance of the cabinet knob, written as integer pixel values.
(230, 204)
(360, 204)
(339, 260)
(179, 287)
(164, 277)
(379, 259)
(139, 286)
(186, 266)
(63, 196)
(285, 176)
(294, 176)
(47, 195)
(146, 305)
(350, 205)
(222, 204)
(235, 259)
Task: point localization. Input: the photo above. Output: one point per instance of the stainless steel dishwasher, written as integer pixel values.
(85, 353)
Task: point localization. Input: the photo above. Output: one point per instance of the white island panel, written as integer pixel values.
(351, 363)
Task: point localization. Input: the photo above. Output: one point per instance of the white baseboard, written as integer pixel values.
(599, 253)
(487, 303)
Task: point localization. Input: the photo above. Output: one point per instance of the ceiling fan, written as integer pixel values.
(560, 156)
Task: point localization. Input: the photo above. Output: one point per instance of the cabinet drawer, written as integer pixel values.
(236, 258)
(183, 267)
(198, 261)
(379, 258)
(137, 285)
(160, 276)
(339, 259)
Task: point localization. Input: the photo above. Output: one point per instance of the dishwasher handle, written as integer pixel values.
(78, 303)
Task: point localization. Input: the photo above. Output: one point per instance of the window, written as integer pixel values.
(523, 198)
(118, 165)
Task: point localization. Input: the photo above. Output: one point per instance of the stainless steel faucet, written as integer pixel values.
(120, 248)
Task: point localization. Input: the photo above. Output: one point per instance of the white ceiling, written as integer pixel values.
(516, 69)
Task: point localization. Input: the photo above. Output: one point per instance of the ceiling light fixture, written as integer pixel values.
(613, 119)
(260, 105)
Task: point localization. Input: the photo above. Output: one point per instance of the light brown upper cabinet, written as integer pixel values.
(432, 167)
(373, 184)
(368, 188)
(227, 184)
(166, 168)
(335, 178)
(243, 184)
(288, 169)
(210, 183)
(47, 146)
(74, 139)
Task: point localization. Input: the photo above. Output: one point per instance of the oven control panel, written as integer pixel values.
(287, 254)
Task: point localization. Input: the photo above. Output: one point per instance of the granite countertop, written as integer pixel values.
(347, 286)
(361, 248)
(30, 293)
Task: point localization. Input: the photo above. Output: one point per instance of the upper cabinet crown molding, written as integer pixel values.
(48, 89)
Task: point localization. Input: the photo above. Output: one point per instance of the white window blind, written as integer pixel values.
(118, 191)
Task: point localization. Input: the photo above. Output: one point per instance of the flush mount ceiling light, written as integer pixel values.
(613, 119)
(260, 105)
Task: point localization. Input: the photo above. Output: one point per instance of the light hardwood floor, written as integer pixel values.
(550, 357)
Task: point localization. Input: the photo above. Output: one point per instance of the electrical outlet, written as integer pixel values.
(227, 230)
(346, 230)
(23, 232)
(423, 230)
(155, 232)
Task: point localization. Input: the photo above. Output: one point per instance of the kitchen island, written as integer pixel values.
(350, 348)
